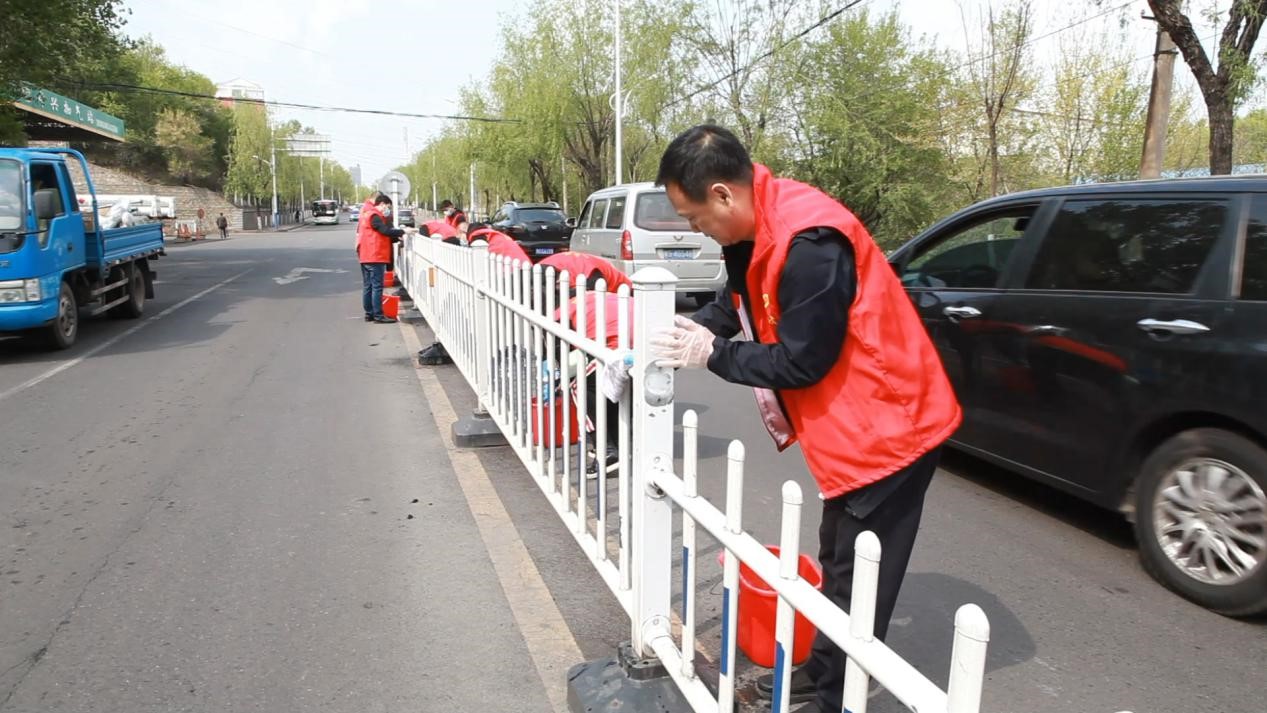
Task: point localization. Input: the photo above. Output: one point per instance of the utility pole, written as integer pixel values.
(563, 178)
(435, 199)
(1158, 106)
(471, 206)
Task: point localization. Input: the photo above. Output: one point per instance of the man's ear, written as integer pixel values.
(722, 193)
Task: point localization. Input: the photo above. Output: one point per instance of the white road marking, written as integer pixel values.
(546, 633)
(34, 381)
(299, 273)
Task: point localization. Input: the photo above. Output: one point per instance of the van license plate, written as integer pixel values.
(545, 251)
(679, 254)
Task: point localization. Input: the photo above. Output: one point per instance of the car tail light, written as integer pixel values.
(626, 246)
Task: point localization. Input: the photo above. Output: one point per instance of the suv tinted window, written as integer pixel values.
(598, 212)
(534, 215)
(582, 221)
(1128, 245)
(616, 213)
(972, 256)
(654, 212)
(1254, 270)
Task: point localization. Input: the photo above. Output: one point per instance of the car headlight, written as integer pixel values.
(32, 290)
(12, 296)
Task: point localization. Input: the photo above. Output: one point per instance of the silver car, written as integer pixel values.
(652, 233)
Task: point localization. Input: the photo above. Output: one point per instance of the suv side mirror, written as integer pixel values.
(46, 203)
(571, 222)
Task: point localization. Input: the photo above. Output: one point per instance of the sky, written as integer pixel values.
(415, 55)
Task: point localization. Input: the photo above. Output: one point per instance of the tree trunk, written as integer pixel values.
(1221, 118)
(994, 159)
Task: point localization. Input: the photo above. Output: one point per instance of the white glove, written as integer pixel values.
(616, 378)
(688, 345)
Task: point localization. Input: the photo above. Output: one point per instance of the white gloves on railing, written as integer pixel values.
(688, 345)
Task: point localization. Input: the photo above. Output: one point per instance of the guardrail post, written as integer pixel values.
(652, 516)
(479, 429)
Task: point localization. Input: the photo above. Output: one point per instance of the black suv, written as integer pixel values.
(406, 217)
(1111, 340)
(541, 229)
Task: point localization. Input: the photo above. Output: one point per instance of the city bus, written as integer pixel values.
(325, 212)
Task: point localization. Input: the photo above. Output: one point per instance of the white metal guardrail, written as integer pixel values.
(537, 374)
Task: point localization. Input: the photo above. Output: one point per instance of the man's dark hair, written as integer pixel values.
(382, 199)
(446, 204)
(424, 231)
(474, 225)
(703, 155)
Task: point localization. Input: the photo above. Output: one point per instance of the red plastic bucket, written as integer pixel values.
(391, 306)
(758, 608)
(389, 279)
(557, 405)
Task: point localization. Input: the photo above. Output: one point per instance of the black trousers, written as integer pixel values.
(891, 508)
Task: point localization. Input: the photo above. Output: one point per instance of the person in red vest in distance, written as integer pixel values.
(838, 357)
(374, 238)
(452, 214)
(591, 266)
(499, 243)
(440, 229)
(615, 377)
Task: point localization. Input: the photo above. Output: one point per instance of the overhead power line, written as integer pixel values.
(769, 53)
(132, 88)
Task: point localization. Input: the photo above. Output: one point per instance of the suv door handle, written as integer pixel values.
(961, 312)
(1174, 326)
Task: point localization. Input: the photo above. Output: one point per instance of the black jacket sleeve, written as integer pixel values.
(719, 315)
(815, 294)
(384, 228)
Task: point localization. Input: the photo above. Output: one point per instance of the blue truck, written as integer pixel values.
(56, 260)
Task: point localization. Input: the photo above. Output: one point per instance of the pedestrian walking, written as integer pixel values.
(374, 238)
(838, 357)
(222, 223)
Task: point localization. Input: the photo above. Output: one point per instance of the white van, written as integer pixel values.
(651, 233)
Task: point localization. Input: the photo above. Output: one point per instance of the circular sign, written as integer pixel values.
(394, 182)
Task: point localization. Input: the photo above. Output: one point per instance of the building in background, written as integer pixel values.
(235, 90)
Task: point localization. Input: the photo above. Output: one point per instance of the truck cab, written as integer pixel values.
(56, 259)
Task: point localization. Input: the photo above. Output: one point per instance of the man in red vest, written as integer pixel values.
(452, 214)
(592, 267)
(374, 238)
(838, 357)
(499, 243)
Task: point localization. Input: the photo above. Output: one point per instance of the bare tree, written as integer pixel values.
(998, 74)
(1225, 86)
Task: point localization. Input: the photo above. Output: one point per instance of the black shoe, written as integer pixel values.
(803, 688)
(611, 457)
(434, 355)
(369, 318)
(384, 320)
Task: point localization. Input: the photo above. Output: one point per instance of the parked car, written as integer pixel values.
(650, 234)
(406, 217)
(1111, 340)
(541, 229)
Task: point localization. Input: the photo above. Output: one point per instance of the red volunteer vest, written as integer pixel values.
(457, 217)
(582, 264)
(611, 316)
(887, 401)
(439, 228)
(371, 245)
(499, 243)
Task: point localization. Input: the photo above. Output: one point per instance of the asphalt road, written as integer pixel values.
(212, 513)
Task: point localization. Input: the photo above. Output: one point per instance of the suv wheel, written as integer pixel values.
(1201, 519)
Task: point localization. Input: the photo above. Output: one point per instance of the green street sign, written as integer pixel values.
(54, 106)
